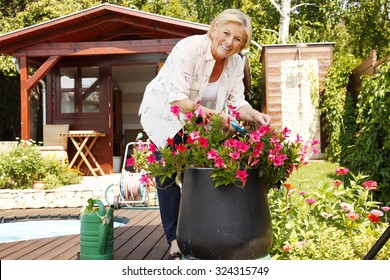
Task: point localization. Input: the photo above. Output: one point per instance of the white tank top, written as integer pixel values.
(210, 96)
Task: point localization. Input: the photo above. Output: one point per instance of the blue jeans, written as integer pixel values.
(169, 195)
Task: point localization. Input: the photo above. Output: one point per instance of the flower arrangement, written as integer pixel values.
(207, 142)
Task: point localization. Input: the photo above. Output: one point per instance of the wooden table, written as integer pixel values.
(80, 140)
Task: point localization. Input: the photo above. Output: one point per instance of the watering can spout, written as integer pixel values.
(105, 227)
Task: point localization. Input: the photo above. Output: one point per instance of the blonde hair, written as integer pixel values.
(233, 15)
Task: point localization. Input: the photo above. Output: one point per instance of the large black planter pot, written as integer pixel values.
(225, 222)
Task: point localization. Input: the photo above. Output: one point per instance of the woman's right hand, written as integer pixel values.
(227, 120)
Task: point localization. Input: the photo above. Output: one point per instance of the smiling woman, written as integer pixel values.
(26, 230)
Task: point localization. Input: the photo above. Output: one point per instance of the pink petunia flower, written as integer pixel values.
(242, 175)
(151, 159)
(146, 180)
(286, 132)
(152, 148)
(130, 161)
(175, 110)
(189, 115)
(194, 135)
(234, 155)
(233, 111)
(213, 154)
(353, 216)
(219, 162)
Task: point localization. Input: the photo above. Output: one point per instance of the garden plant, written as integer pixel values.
(337, 221)
(24, 164)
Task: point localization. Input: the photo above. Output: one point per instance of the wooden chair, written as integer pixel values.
(54, 144)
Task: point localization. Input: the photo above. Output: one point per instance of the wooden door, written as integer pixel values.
(81, 98)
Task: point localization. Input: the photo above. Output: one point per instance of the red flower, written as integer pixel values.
(288, 186)
(342, 170)
(374, 219)
(181, 147)
(203, 142)
(170, 141)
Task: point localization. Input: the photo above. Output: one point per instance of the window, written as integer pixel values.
(80, 90)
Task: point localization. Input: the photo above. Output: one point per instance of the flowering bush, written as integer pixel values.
(206, 142)
(334, 222)
(24, 164)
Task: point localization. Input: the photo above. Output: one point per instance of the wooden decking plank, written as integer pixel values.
(130, 239)
(32, 246)
(123, 231)
(141, 238)
(147, 245)
(139, 243)
(17, 246)
(64, 243)
(49, 247)
(71, 253)
(160, 249)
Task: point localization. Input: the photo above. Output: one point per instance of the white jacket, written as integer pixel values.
(186, 74)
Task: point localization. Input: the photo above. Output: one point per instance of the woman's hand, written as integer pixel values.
(247, 113)
(262, 119)
(227, 119)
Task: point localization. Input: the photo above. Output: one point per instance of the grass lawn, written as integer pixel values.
(313, 174)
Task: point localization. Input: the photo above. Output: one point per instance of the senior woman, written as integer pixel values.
(203, 69)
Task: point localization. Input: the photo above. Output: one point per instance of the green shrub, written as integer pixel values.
(24, 164)
(331, 222)
(370, 151)
(20, 166)
(333, 104)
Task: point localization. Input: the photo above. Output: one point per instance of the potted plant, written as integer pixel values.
(227, 175)
(39, 174)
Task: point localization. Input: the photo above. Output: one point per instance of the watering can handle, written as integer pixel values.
(102, 210)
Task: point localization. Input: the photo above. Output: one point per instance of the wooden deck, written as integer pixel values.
(142, 238)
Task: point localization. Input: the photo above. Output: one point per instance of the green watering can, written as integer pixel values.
(97, 232)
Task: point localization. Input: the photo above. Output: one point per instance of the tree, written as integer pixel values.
(284, 9)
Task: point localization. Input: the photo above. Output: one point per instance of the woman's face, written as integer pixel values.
(228, 39)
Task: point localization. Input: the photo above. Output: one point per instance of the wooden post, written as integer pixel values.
(24, 100)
